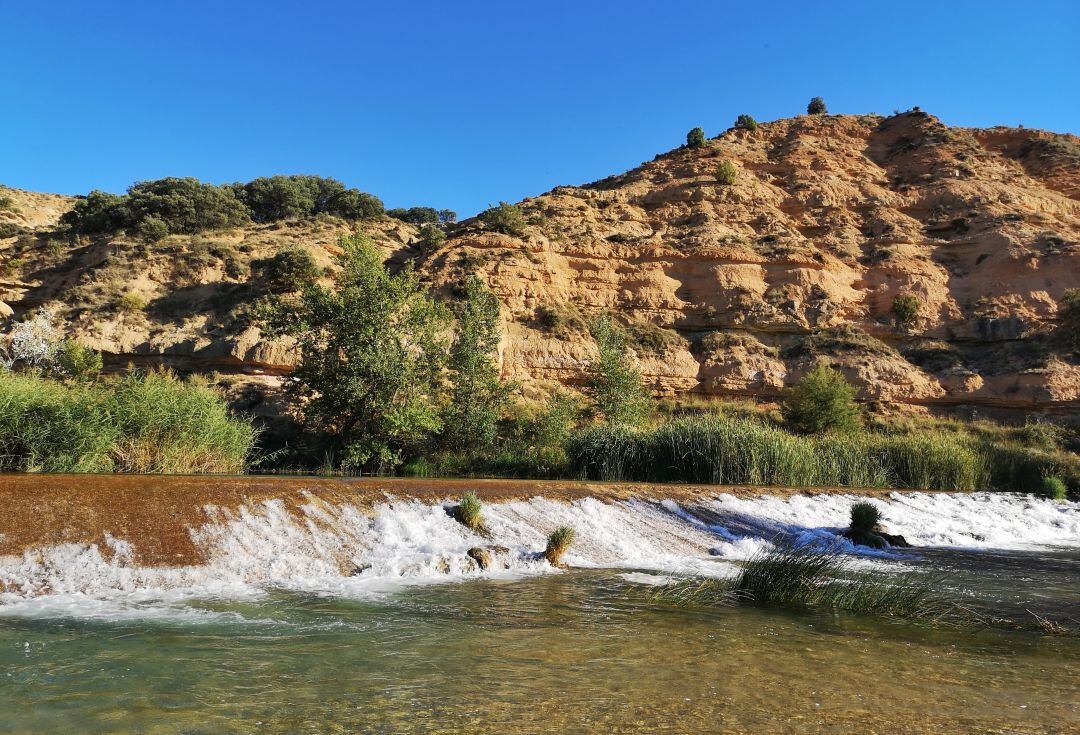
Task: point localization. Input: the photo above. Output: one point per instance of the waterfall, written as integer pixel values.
(343, 549)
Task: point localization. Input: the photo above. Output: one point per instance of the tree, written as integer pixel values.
(371, 352)
(185, 205)
(505, 218)
(355, 204)
(98, 212)
(613, 379)
(816, 107)
(290, 269)
(447, 216)
(288, 197)
(477, 396)
(725, 173)
(695, 138)
(745, 122)
(822, 401)
(432, 236)
(905, 309)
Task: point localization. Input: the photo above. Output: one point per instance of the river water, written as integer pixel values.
(341, 619)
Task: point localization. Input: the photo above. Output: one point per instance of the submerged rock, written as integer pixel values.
(876, 539)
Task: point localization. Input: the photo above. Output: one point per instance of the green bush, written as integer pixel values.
(905, 309)
(505, 218)
(613, 380)
(355, 204)
(185, 205)
(415, 215)
(469, 513)
(822, 401)
(725, 173)
(557, 543)
(864, 517)
(695, 138)
(291, 269)
(7, 204)
(138, 423)
(153, 229)
(432, 236)
(816, 107)
(97, 212)
(1054, 488)
(78, 362)
(130, 303)
(272, 198)
(745, 122)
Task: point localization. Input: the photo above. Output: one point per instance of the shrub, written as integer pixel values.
(185, 205)
(816, 107)
(98, 212)
(73, 360)
(552, 426)
(822, 401)
(905, 309)
(290, 269)
(695, 138)
(725, 173)
(557, 544)
(286, 197)
(153, 229)
(138, 423)
(1054, 488)
(745, 122)
(505, 218)
(415, 215)
(355, 204)
(7, 204)
(1069, 313)
(432, 236)
(130, 303)
(469, 513)
(613, 379)
(864, 517)
(447, 216)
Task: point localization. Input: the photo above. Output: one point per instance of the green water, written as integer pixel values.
(584, 651)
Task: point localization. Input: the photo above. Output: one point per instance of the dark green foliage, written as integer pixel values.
(695, 138)
(746, 122)
(432, 236)
(505, 218)
(864, 517)
(905, 309)
(138, 423)
(613, 379)
(447, 216)
(290, 269)
(816, 107)
(153, 229)
(477, 396)
(552, 426)
(371, 353)
(725, 173)
(289, 197)
(1054, 488)
(98, 212)
(355, 204)
(7, 204)
(415, 215)
(1069, 313)
(75, 361)
(469, 513)
(822, 401)
(185, 205)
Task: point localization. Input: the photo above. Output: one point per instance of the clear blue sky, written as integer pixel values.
(460, 104)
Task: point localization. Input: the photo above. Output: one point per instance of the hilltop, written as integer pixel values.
(732, 282)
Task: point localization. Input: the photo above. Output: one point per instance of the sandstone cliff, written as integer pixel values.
(728, 289)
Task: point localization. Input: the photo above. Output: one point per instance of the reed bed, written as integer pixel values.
(154, 423)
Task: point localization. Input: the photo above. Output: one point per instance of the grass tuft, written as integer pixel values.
(864, 517)
(469, 513)
(557, 544)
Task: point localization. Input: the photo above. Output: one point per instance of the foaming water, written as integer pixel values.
(345, 550)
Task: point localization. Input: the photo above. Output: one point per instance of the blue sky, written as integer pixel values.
(460, 104)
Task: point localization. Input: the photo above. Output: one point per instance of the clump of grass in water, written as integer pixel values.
(469, 513)
(864, 517)
(804, 579)
(557, 544)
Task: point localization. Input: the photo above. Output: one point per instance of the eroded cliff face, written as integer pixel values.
(828, 220)
(728, 289)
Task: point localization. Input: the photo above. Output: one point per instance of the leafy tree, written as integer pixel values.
(695, 138)
(98, 212)
(613, 379)
(447, 216)
(746, 122)
(371, 352)
(725, 173)
(905, 309)
(185, 205)
(553, 425)
(153, 229)
(505, 218)
(432, 236)
(415, 215)
(355, 204)
(822, 401)
(271, 198)
(290, 269)
(477, 396)
(816, 107)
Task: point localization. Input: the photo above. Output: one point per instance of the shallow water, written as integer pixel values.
(274, 635)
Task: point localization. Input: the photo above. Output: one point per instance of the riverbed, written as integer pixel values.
(324, 610)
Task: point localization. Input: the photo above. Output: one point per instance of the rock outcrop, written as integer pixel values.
(727, 289)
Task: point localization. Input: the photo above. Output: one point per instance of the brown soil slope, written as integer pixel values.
(727, 289)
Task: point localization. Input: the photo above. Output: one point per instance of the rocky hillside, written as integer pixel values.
(729, 285)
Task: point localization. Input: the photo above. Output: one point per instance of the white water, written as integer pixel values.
(346, 550)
